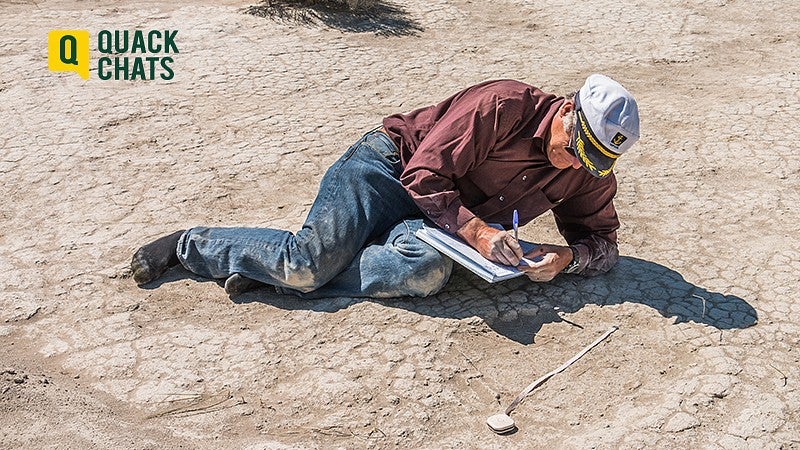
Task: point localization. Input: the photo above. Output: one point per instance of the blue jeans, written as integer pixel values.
(357, 241)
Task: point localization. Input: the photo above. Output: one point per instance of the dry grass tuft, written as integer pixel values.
(356, 16)
(335, 5)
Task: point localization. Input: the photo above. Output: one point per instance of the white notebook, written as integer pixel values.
(462, 253)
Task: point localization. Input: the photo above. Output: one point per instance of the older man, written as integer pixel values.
(473, 158)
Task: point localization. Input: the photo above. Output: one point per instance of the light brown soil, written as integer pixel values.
(706, 294)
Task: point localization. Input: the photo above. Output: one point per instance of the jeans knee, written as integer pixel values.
(304, 278)
(430, 275)
(306, 266)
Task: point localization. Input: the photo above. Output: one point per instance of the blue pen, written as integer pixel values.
(515, 221)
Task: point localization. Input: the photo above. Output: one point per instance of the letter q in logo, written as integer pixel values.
(68, 51)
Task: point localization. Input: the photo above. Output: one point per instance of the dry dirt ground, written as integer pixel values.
(705, 295)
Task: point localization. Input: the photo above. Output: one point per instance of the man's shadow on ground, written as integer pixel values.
(518, 308)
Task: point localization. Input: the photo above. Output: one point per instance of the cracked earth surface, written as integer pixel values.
(706, 294)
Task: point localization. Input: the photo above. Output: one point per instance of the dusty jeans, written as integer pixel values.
(357, 241)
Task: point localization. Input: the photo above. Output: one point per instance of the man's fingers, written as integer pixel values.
(503, 250)
(515, 247)
(511, 250)
(510, 258)
(536, 273)
(537, 264)
(506, 256)
(545, 262)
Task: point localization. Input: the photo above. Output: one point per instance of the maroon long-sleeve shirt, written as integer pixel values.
(482, 153)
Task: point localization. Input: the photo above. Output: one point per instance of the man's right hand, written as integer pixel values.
(493, 244)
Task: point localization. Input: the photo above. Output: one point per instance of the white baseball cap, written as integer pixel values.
(607, 124)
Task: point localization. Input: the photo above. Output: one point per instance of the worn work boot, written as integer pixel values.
(237, 284)
(153, 259)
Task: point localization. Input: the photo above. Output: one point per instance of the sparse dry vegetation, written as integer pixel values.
(356, 16)
(352, 5)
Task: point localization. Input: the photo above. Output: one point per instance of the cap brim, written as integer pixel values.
(595, 158)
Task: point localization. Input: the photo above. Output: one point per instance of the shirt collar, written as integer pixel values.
(537, 130)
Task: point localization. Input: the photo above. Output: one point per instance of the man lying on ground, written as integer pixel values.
(475, 157)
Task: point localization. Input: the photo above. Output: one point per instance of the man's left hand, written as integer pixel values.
(554, 258)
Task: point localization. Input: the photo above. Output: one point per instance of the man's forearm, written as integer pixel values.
(471, 231)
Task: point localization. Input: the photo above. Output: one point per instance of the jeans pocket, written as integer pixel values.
(393, 157)
(350, 151)
(383, 147)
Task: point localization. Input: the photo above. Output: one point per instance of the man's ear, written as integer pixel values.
(568, 106)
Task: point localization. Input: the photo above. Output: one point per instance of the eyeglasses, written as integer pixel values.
(573, 136)
(571, 147)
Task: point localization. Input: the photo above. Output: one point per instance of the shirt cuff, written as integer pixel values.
(584, 256)
(453, 218)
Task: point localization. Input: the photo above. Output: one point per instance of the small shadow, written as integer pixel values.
(178, 273)
(171, 275)
(518, 308)
(380, 18)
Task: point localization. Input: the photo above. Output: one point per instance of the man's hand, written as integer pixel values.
(554, 258)
(493, 244)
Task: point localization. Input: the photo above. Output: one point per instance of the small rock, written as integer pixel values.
(681, 422)
(765, 418)
(509, 316)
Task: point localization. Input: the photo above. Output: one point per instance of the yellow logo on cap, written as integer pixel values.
(618, 139)
(68, 51)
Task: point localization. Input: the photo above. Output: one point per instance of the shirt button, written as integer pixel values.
(502, 198)
(524, 177)
(447, 226)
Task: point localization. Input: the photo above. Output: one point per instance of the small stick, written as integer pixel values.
(194, 406)
(208, 409)
(704, 305)
(503, 423)
(560, 369)
(561, 318)
(479, 375)
(570, 322)
(470, 361)
(785, 378)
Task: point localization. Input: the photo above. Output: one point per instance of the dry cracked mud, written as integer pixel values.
(706, 295)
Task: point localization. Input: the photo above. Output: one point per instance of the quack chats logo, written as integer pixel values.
(128, 54)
